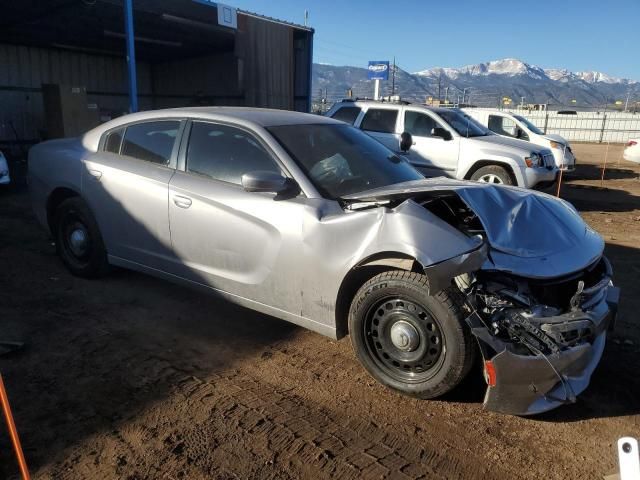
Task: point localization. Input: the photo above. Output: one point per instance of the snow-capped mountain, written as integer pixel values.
(512, 67)
(509, 66)
(487, 82)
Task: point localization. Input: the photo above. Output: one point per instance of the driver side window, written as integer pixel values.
(419, 124)
(226, 153)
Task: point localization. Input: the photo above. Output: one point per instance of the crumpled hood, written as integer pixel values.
(529, 233)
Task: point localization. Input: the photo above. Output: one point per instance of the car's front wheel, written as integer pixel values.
(408, 340)
(78, 240)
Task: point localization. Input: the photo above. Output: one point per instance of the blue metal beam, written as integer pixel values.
(131, 56)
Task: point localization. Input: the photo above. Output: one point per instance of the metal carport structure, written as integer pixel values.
(183, 57)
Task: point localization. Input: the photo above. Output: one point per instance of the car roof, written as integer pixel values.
(488, 110)
(378, 103)
(265, 117)
(247, 116)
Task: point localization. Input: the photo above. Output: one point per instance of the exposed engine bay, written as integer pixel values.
(534, 316)
(542, 319)
(538, 317)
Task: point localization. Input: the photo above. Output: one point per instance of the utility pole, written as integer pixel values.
(522, 103)
(439, 86)
(626, 103)
(446, 95)
(393, 77)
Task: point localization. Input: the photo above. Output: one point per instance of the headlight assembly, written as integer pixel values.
(533, 160)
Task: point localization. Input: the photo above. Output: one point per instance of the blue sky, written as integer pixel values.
(574, 34)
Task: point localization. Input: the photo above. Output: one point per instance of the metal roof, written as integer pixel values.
(164, 29)
(276, 20)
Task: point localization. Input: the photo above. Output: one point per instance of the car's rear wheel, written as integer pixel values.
(408, 340)
(492, 174)
(78, 240)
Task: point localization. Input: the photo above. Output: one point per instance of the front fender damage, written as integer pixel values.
(538, 291)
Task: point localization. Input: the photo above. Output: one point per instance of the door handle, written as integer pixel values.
(96, 174)
(182, 202)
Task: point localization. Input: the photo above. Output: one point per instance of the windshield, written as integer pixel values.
(529, 125)
(463, 123)
(341, 160)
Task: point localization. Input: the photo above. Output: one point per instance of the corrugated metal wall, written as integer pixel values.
(210, 80)
(265, 51)
(23, 70)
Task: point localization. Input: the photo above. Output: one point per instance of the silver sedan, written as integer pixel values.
(310, 220)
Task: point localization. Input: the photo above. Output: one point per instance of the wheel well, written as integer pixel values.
(359, 275)
(56, 197)
(485, 163)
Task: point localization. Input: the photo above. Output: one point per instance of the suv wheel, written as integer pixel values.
(407, 340)
(493, 174)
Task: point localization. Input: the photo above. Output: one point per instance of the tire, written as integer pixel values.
(82, 253)
(493, 174)
(444, 352)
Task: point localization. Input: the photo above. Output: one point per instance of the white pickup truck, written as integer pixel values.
(516, 126)
(446, 141)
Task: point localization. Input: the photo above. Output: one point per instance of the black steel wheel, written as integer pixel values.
(78, 239)
(408, 340)
(404, 339)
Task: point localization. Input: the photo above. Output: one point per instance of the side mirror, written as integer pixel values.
(406, 141)
(264, 181)
(442, 133)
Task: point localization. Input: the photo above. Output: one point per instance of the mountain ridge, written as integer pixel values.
(514, 66)
(487, 83)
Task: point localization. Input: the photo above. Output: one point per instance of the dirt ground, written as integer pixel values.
(131, 377)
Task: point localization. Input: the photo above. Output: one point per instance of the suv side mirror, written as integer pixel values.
(442, 133)
(406, 141)
(265, 181)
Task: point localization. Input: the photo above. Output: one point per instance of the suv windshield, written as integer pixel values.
(529, 125)
(463, 124)
(341, 160)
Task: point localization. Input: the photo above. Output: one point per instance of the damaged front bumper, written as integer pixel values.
(526, 384)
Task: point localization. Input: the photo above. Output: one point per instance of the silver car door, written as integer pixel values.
(126, 186)
(243, 243)
(433, 156)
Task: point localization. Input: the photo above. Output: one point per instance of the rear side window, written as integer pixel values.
(113, 141)
(226, 153)
(419, 124)
(380, 120)
(151, 141)
(347, 114)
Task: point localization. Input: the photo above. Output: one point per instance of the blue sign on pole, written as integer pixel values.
(378, 70)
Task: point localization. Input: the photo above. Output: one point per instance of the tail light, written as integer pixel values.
(631, 143)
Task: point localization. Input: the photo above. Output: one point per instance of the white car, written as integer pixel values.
(445, 141)
(517, 126)
(632, 152)
(4, 170)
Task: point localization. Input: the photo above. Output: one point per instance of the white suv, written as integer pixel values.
(447, 141)
(516, 126)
